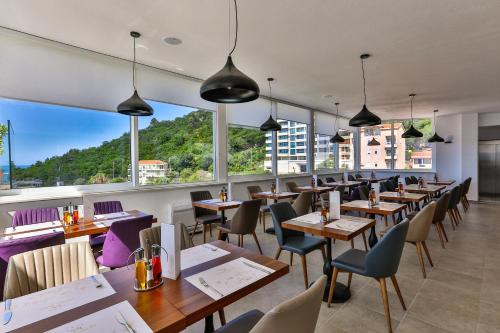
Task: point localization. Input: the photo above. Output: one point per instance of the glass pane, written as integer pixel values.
(346, 151)
(176, 145)
(292, 160)
(53, 145)
(378, 156)
(247, 151)
(417, 152)
(324, 152)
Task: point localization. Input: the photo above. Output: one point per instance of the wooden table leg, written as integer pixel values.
(209, 324)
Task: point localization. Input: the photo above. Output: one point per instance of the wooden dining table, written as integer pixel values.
(275, 196)
(341, 293)
(430, 190)
(350, 184)
(372, 180)
(218, 206)
(405, 197)
(446, 182)
(175, 305)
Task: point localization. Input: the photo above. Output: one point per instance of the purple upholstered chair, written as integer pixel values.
(35, 215)
(104, 207)
(12, 247)
(121, 240)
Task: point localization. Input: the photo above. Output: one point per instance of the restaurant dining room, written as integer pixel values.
(250, 166)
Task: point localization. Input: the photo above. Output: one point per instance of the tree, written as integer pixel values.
(98, 178)
(3, 132)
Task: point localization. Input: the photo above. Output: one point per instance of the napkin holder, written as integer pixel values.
(334, 198)
(346, 176)
(376, 188)
(171, 242)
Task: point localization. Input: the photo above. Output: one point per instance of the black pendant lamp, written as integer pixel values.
(337, 138)
(373, 142)
(270, 124)
(230, 85)
(412, 132)
(435, 137)
(135, 105)
(364, 117)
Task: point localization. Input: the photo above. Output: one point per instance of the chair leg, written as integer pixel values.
(352, 243)
(241, 241)
(385, 221)
(332, 285)
(323, 253)
(304, 268)
(438, 230)
(364, 240)
(426, 250)
(441, 225)
(420, 259)
(277, 255)
(222, 317)
(256, 241)
(210, 229)
(194, 229)
(385, 299)
(450, 216)
(204, 233)
(291, 258)
(396, 287)
(458, 213)
(349, 280)
(263, 222)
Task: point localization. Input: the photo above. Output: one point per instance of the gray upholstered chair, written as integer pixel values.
(296, 315)
(264, 207)
(440, 215)
(153, 236)
(49, 267)
(243, 222)
(330, 180)
(363, 192)
(203, 216)
(291, 240)
(292, 187)
(302, 204)
(381, 262)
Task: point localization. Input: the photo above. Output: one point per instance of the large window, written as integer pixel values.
(247, 151)
(293, 160)
(376, 156)
(324, 152)
(416, 153)
(176, 145)
(50, 145)
(346, 151)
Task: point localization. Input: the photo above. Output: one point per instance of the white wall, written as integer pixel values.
(470, 152)
(489, 119)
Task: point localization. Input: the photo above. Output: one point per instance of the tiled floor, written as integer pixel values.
(460, 294)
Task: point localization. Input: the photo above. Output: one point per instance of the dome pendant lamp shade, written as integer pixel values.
(373, 142)
(337, 138)
(365, 117)
(270, 124)
(135, 105)
(230, 85)
(435, 137)
(412, 132)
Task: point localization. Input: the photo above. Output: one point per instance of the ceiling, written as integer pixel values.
(446, 51)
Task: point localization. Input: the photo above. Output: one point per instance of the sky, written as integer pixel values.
(43, 130)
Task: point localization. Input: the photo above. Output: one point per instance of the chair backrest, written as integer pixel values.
(408, 181)
(153, 236)
(9, 248)
(107, 207)
(382, 187)
(245, 218)
(281, 212)
(296, 315)
(351, 178)
(291, 186)
(383, 259)
(467, 186)
(255, 189)
(421, 223)
(122, 239)
(302, 204)
(358, 176)
(389, 185)
(48, 267)
(35, 215)
(414, 179)
(319, 182)
(363, 192)
(455, 197)
(330, 180)
(197, 196)
(441, 207)
(355, 194)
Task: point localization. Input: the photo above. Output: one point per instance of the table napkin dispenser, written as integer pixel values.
(171, 257)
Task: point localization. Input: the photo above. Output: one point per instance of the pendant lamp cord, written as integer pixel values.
(236, 25)
(411, 108)
(364, 80)
(270, 100)
(336, 117)
(133, 68)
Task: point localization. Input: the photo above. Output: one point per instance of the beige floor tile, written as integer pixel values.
(412, 325)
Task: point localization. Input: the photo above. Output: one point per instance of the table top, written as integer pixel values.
(317, 189)
(405, 197)
(383, 208)
(275, 196)
(217, 204)
(441, 182)
(428, 189)
(369, 179)
(173, 306)
(348, 183)
(320, 229)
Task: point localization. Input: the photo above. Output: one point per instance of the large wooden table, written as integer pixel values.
(409, 198)
(274, 196)
(445, 182)
(430, 190)
(341, 293)
(175, 305)
(372, 180)
(349, 184)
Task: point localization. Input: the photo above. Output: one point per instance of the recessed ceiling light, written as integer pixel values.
(172, 40)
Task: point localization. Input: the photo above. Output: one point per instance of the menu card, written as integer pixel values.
(33, 233)
(107, 320)
(111, 215)
(32, 227)
(345, 225)
(199, 254)
(311, 218)
(223, 280)
(43, 304)
(334, 204)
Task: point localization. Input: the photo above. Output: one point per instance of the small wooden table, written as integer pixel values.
(175, 305)
(218, 206)
(446, 182)
(349, 184)
(341, 293)
(409, 198)
(372, 180)
(274, 196)
(430, 190)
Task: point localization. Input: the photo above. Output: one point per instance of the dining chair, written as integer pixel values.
(48, 267)
(363, 192)
(351, 178)
(11, 247)
(325, 197)
(34, 215)
(264, 207)
(465, 200)
(296, 315)
(291, 240)
(244, 222)
(381, 262)
(389, 185)
(382, 187)
(302, 205)
(408, 181)
(104, 207)
(452, 206)
(292, 187)
(122, 239)
(319, 182)
(440, 215)
(203, 216)
(358, 176)
(330, 180)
